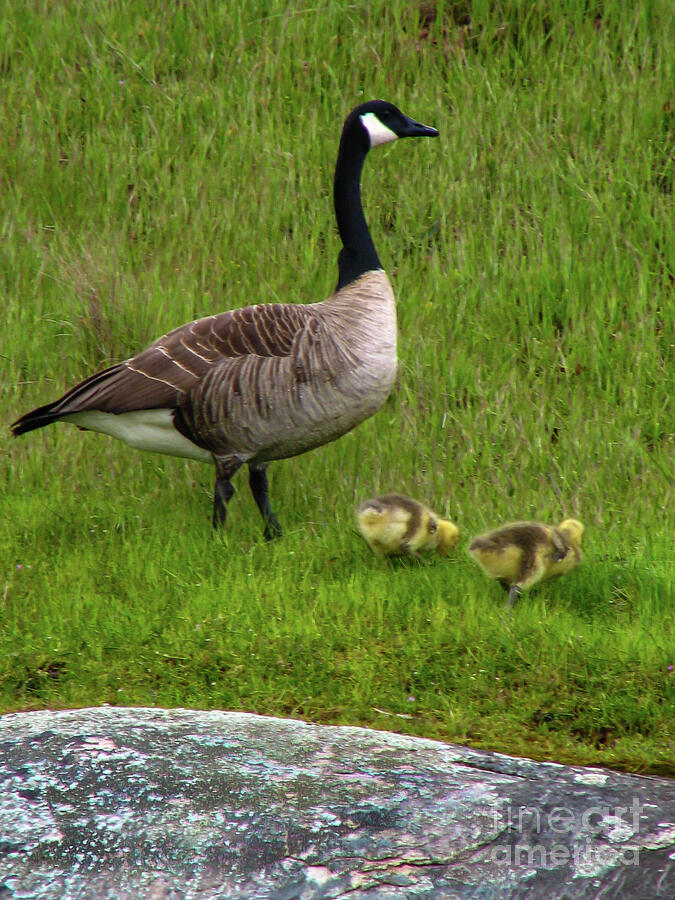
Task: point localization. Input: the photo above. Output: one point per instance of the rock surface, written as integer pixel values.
(149, 803)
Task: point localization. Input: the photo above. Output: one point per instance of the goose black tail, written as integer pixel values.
(37, 418)
(85, 395)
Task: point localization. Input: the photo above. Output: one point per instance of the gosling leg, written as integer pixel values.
(257, 480)
(514, 593)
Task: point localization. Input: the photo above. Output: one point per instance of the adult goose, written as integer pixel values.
(263, 382)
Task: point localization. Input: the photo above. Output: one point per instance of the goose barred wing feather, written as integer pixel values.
(171, 367)
(277, 405)
(265, 330)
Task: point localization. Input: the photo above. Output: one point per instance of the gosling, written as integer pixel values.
(394, 525)
(522, 554)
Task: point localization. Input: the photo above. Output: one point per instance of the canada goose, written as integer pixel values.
(394, 525)
(264, 382)
(522, 554)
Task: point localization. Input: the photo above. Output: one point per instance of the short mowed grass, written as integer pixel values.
(160, 162)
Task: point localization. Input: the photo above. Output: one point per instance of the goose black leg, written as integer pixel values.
(223, 492)
(221, 497)
(257, 479)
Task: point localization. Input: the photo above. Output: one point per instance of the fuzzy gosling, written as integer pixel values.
(394, 525)
(521, 554)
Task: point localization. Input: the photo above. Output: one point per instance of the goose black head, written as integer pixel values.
(383, 122)
(366, 126)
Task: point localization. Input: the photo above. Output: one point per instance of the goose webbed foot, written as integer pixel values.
(257, 480)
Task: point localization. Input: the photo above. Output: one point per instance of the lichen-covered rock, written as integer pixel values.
(148, 803)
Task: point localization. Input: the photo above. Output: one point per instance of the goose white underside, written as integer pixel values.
(143, 429)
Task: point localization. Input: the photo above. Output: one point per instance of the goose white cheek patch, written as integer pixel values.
(378, 133)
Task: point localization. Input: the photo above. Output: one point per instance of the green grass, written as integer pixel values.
(163, 161)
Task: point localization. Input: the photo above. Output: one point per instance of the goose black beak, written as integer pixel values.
(416, 129)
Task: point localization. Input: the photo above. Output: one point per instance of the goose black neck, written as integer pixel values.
(358, 254)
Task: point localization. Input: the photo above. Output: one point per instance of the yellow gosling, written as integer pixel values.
(395, 525)
(522, 554)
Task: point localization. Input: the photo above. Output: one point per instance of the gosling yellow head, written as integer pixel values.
(521, 554)
(395, 525)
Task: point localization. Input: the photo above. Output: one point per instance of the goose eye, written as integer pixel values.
(432, 526)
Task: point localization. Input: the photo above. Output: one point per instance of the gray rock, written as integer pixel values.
(149, 803)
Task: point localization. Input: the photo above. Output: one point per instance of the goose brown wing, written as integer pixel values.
(167, 370)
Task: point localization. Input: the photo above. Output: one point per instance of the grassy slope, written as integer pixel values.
(167, 162)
